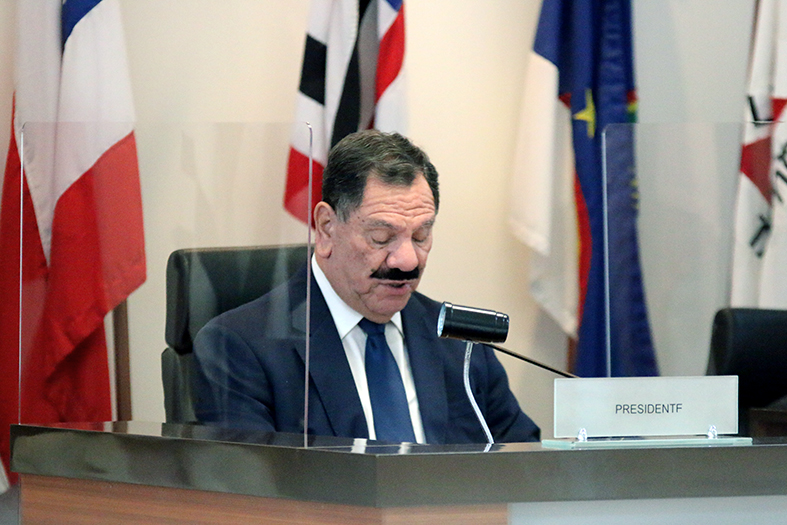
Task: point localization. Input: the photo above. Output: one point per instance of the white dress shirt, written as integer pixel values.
(354, 342)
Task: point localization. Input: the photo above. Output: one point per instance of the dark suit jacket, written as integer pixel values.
(250, 373)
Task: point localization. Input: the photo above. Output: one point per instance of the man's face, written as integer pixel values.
(375, 260)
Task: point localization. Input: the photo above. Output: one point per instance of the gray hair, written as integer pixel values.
(389, 157)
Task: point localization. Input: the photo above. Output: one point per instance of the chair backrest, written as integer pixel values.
(752, 344)
(203, 283)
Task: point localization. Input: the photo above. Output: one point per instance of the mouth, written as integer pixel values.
(403, 286)
(396, 282)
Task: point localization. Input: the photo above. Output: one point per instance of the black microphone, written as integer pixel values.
(472, 324)
(482, 326)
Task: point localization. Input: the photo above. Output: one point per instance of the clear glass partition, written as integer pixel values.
(209, 188)
(670, 204)
(215, 235)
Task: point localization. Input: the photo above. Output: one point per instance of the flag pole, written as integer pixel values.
(122, 362)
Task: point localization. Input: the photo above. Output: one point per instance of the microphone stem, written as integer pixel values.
(471, 397)
(530, 360)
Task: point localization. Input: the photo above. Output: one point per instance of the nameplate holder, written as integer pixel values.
(646, 411)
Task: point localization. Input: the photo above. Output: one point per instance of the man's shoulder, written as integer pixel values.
(274, 307)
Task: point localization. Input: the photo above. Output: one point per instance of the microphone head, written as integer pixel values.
(472, 324)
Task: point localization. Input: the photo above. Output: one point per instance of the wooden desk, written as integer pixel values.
(138, 472)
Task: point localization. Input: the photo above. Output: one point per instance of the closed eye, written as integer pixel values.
(381, 238)
(423, 234)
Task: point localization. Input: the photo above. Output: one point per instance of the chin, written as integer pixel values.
(390, 307)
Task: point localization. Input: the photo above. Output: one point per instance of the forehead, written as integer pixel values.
(389, 202)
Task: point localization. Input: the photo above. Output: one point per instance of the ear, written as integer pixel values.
(325, 222)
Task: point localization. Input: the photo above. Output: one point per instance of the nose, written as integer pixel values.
(404, 257)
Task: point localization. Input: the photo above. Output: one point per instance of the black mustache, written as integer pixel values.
(395, 274)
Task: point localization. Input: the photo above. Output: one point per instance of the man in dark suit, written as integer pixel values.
(377, 367)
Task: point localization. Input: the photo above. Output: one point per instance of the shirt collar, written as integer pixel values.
(344, 317)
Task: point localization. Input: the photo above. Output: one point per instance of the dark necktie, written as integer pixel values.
(386, 389)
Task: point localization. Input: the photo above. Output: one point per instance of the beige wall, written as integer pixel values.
(225, 61)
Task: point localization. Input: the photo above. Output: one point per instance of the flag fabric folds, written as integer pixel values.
(760, 243)
(72, 174)
(352, 79)
(581, 80)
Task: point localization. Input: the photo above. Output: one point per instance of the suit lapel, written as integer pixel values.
(328, 368)
(428, 371)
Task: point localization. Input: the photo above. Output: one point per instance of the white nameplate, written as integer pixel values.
(646, 406)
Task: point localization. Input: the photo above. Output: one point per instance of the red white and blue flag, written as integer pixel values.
(580, 80)
(72, 182)
(352, 79)
(760, 245)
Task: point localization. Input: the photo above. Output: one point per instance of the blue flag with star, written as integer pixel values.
(589, 41)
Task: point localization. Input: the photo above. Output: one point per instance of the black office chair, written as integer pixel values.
(752, 344)
(201, 284)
